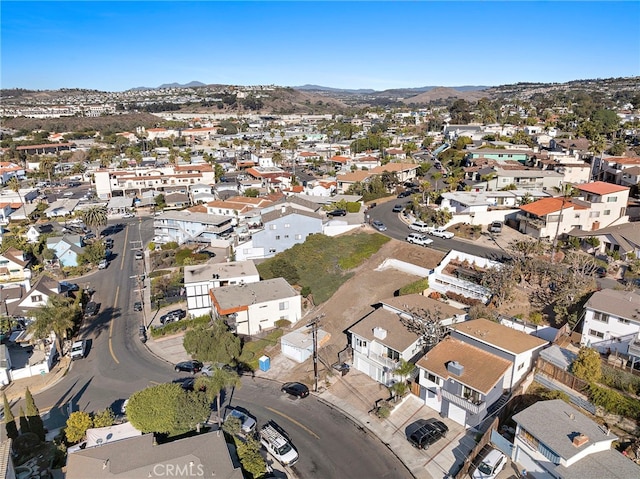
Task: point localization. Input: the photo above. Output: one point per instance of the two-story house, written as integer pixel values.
(199, 279)
(612, 322)
(470, 374)
(67, 248)
(251, 308)
(553, 440)
(623, 239)
(183, 226)
(623, 170)
(283, 228)
(14, 266)
(380, 341)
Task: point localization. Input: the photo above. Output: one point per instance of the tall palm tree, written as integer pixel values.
(221, 379)
(95, 216)
(14, 185)
(58, 315)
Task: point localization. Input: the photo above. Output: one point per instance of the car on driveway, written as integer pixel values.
(298, 390)
(379, 225)
(397, 208)
(420, 239)
(495, 227)
(428, 432)
(338, 212)
(441, 233)
(192, 367)
(491, 465)
(66, 286)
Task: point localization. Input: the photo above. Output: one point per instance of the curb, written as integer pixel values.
(61, 373)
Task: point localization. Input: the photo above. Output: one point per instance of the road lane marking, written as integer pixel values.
(294, 421)
(111, 329)
(124, 250)
(154, 382)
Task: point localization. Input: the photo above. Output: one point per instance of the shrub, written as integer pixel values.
(463, 299)
(180, 326)
(172, 245)
(415, 287)
(613, 401)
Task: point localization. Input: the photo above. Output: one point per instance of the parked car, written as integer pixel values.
(108, 243)
(192, 366)
(277, 444)
(379, 225)
(298, 390)
(103, 264)
(404, 194)
(397, 208)
(429, 431)
(338, 212)
(78, 349)
(139, 255)
(128, 215)
(66, 286)
(247, 423)
(142, 334)
(137, 306)
(89, 236)
(418, 238)
(495, 227)
(91, 309)
(189, 384)
(172, 316)
(491, 465)
(441, 233)
(420, 226)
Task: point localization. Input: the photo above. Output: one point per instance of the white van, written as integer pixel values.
(420, 226)
(78, 349)
(278, 445)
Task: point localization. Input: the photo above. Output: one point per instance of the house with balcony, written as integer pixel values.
(497, 178)
(14, 266)
(251, 308)
(282, 228)
(199, 279)
(611, 323)
(620, 170)
(554, 440)
(380, 341)
(623, 239)
(188, 226)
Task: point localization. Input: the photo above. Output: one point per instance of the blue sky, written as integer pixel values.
(114, 46)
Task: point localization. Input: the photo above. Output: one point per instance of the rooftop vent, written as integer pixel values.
(455, 367)
(580, 440)
(379, 332)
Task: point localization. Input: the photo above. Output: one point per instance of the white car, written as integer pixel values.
(78, 349)
(490, 466)
(420, 226)
(417, 238)
(103, 264)
(247, 423)
(441, 233)
(128, 215)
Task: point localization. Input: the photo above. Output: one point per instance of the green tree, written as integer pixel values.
(14, 185)
(251, 458)
(251, 192)
(104, 418)
(9, 419)
(587, 365)
(77, 425)
(92, 253)
(58, 315)
(95, 217)
(281, 268)
(36, 425)
(232, 425)
(223, 378)
(24, 422)
(214, 343)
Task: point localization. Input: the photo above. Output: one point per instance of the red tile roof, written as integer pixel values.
(546, 206)
(601, 188)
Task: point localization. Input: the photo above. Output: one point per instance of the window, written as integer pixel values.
(36, 298)
(606, 212)
(597, 334)
(298, 237)
(277, 237)
(286, 236)
(361, 343)
(602, 317)
(272, 250)
(623, 321)
(287, 225)
(284, 305)
(520, 366)
(392, 354)
(272, 227)
(432, 378)
(612, 199)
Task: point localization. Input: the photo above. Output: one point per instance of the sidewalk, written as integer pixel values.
(15, 389)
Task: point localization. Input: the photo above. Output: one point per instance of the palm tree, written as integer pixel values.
(58, 315)
(14, 185)
(95, 216)
(221, 379)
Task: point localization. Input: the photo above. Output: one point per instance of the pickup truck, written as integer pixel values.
(420, 239)
(495, 227)
(78, 349)
(278, 445)
(441, 233)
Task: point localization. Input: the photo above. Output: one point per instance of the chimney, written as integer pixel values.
(379, 332)
(580, 440)
(455, 367)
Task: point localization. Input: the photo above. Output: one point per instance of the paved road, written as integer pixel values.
(399, 230)
(117, 365)
(328, 443)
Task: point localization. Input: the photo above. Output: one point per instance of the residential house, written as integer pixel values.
(611, 323)
(283, 228)
(469, 374)
(199, 279)
(299, 346)
(188, 226)
(36, 231)
(460, 273)
(201, 193)
(346, 180)
(579, 146)
(176, 200)
(67, 248)
(14, 266)
(598, 205)
(10, 170)
(623, 239)
(339, 162)
(554, 440)
(251, 308)
(500, 155)
(62, 207)
(140, 457)
(623, 170)
(404, 172)
(37, 296)
(380, 340)
(366, 162)
(497, 178)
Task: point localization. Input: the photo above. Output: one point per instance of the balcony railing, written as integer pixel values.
(634, 348)
(466, 404)
(385, 361)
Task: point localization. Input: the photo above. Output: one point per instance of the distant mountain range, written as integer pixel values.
(365, 91)
(171, 85)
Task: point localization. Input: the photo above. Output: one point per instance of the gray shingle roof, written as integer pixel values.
(623, 304)
(609, 464)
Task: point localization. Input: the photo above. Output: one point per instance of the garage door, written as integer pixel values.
(525, 461)
(457, 414)
(431, 399)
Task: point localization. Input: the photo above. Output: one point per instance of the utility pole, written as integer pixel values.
(313, 324)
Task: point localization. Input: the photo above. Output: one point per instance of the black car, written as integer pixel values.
(192, 367)
(428, 432)
(137, 306)
(66, 286)
(404, 194)
(91, 309)
(172, 316)
(295, 389)
(188, 384)
(338, 212)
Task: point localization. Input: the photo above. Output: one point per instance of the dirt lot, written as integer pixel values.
(357, 296)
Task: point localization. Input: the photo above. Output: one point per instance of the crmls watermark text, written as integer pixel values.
(178, 470)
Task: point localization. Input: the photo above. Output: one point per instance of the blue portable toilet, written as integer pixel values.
(264, 363)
